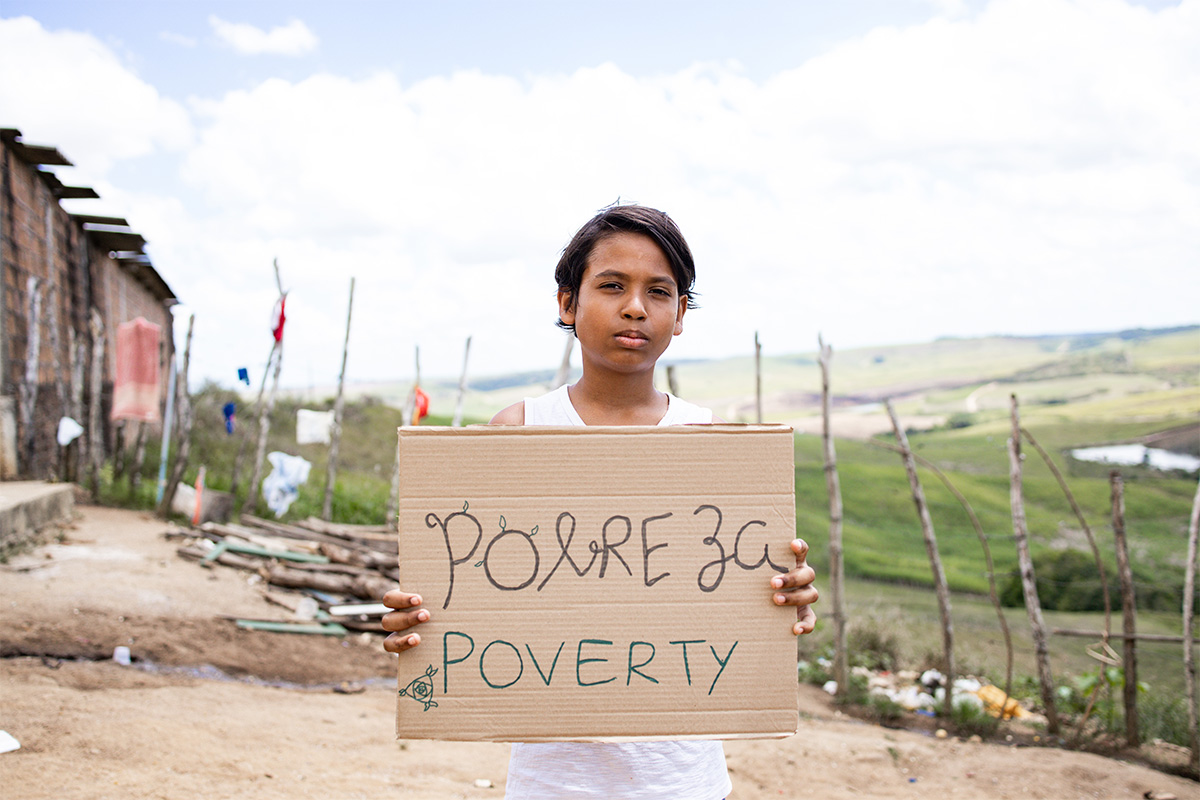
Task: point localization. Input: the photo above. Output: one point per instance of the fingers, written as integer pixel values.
(408, 613)
(796, 579)
(800, 548)
(398, 643)
(398, 599)
(806, 620)
(795, 588)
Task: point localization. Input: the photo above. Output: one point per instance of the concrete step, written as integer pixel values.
(28, 507)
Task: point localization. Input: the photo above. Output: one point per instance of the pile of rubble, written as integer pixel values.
(334, 566)
(925, 692)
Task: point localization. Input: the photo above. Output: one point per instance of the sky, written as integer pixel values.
(872, 171)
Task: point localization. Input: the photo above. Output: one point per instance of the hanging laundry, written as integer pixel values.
(313, 427)
(420, 404)
(281, 488)
(229, 410)
(68, 431)
(278, 318)
(136, 387)
(244, 375)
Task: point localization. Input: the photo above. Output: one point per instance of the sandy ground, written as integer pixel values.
(90, 728)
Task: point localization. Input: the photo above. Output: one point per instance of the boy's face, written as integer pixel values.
(628, 306)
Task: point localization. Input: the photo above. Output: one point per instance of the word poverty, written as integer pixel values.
(605, 550)
(587, 662)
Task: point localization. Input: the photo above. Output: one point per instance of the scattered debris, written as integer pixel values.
(923, 692)
(336, 566)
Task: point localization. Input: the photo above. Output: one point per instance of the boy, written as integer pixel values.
(624, 284)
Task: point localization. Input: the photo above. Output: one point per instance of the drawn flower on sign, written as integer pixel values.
(421, 689)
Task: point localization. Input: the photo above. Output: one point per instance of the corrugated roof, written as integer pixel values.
(82, 218)
(114, 237)
(63, 192)
(33, 153)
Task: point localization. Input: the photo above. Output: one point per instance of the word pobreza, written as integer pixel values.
(597, 583)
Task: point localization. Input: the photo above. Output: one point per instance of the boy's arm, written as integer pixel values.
(513, 415)
(795, 589)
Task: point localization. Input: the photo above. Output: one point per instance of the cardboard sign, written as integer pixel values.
(597, 583)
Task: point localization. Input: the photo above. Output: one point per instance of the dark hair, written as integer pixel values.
(626, 219)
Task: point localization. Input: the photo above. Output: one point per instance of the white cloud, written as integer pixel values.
(1029, 169)
(178, 38)
(67, 89)
(292, 39)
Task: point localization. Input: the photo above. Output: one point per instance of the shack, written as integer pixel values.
(67, 281)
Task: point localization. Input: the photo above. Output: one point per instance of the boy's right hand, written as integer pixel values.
(409, 612)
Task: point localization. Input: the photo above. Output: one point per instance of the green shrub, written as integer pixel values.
(1067, 580)
(871, 648)
(816, 672)
(883, 709)
(1161, 716)
(969, 719)
(856, 694)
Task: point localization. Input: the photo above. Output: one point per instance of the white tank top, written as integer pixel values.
(691, 770)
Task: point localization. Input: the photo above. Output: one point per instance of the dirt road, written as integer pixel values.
(159, 728)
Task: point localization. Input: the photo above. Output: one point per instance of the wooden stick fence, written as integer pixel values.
(1033, 605)
(935, 560)
(837, 566)
(338, 408)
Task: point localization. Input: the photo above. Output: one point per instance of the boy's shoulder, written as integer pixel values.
(513, 415)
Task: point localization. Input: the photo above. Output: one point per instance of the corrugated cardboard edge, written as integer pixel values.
(619, 430)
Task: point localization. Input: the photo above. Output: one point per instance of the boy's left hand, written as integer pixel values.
(795, 589)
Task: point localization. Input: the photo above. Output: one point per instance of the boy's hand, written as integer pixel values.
(795, 589)
(408, 613)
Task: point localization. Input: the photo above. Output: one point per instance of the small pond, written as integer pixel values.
(1130, 454)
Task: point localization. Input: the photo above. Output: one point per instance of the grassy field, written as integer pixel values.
(904, 619)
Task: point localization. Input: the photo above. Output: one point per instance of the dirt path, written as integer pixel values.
(94, 729)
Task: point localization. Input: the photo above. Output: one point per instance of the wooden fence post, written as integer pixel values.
(757, 379)
(987, 555)
(1189, 659)
(1086, 529)
(1128, 608)
(265, 409)
(837, 567)
(264, 429)
(1033, 606)
(139, 458)
(338, 408)
(935, 560)
(235, 475)
(183, 409)
(406, 416)
(462, 389)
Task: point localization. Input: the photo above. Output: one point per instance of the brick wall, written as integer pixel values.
(74, 274)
